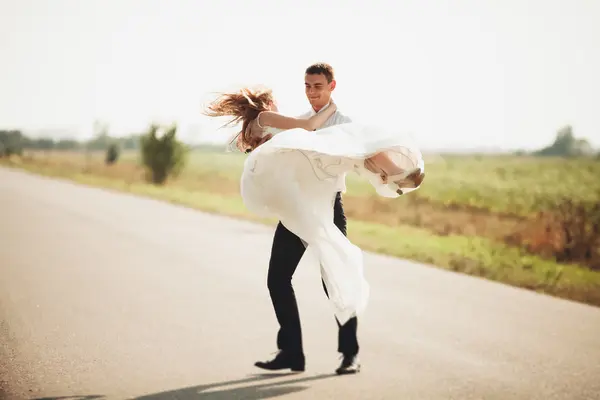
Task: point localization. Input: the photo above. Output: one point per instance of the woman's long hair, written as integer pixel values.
(243, 105)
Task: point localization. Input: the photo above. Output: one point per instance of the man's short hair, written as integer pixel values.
(321, 68)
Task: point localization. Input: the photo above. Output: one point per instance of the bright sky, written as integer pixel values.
(459, 73)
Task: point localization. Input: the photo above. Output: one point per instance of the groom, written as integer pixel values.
(288, 249)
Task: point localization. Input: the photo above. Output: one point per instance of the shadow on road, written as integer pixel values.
(249, 389)
(88, 397)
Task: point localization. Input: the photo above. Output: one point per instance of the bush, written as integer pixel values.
(163, 155)
(112, 154)
(10, 150)
(11, 143)
(569, 233)
(579, 225)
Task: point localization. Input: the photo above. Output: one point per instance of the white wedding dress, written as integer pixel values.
(294, 177)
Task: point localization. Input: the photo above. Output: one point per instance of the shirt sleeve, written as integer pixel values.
(343, 119)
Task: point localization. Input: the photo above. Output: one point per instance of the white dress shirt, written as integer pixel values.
(336, 119)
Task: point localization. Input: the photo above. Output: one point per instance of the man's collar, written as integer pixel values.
(313, 112)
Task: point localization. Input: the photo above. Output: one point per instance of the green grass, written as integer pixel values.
(210, 184)
(500, 184)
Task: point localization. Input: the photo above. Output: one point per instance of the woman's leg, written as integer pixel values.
(383, 165)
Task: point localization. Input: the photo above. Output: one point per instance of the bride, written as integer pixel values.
(291, 174)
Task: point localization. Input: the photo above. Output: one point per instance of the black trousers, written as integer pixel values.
(286, 253)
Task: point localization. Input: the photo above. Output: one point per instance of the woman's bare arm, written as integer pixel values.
(280, 121)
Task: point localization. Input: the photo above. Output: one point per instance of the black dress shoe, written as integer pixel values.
(349, 365)
(283, 361)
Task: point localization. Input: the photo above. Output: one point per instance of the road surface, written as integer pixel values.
(111, 296)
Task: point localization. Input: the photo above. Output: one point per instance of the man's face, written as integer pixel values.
(318, 90)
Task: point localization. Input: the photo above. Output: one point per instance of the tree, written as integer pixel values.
(566, 145)
(112, 154)
(162, 155)
(11, 142)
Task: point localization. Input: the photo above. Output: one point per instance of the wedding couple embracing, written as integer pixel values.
(295, 171)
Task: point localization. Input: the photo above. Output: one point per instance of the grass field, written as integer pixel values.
(468, 216)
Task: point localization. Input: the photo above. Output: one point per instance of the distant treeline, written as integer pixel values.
(14, 142)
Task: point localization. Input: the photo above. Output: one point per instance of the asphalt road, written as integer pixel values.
(111, 296)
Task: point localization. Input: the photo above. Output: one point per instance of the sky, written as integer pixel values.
(455, 74)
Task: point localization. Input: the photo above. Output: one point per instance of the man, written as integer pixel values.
(288, 249)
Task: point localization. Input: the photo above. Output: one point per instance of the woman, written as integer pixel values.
(291, 174)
